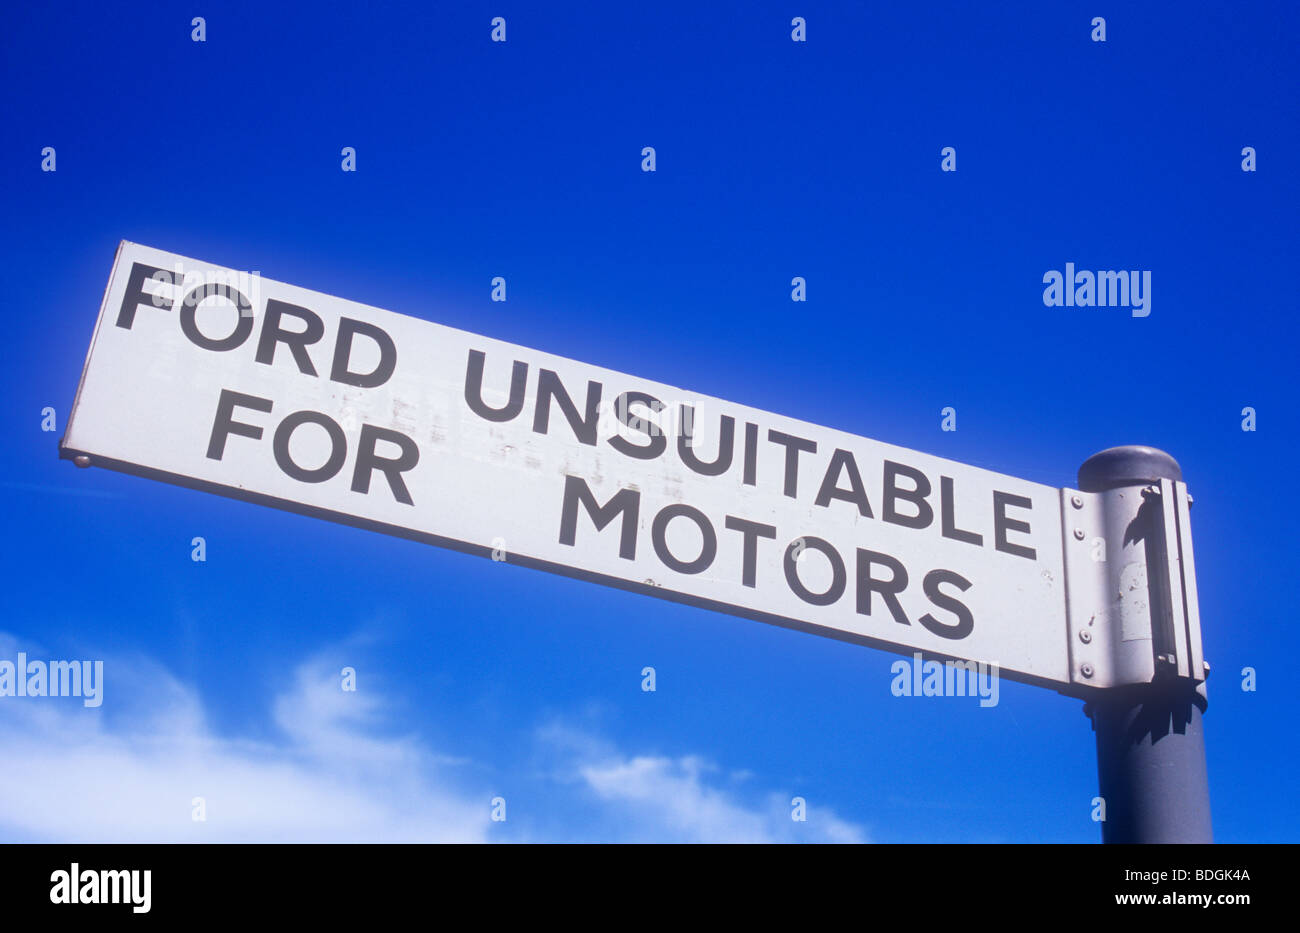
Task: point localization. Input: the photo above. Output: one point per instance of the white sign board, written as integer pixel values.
(230, 382)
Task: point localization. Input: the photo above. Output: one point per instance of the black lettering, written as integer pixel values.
(1002, 524)
(549, 387)
(924, 514)
(623, 412)
(223, 425)
(190, 310)
(965, 623)
(839, 577)
(474, 389)
(338, 447)
(752, 531)
(296, 341)
(392, 468)
(659, 535)
(339, 371)
(751, 454)
(686, 444)
(793, 446)
(950, 529)
(627, 501)
(136, 295)
(842, 461)
(888, 589)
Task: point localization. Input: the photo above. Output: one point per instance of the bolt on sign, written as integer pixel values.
(239, 385)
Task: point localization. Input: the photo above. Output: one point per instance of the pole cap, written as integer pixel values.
(1131, 465)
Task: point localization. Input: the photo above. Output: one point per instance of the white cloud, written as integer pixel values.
(70, 774)
(127, 772)
(686, 799)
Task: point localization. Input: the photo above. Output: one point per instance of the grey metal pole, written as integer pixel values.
(1150, 744)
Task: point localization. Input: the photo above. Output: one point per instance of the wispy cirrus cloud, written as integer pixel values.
(660, 798)
(74, 776)
(333, 771)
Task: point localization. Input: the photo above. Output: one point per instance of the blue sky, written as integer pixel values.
(774, 159)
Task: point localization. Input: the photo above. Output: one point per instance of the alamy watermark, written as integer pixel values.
(921, 678)
(78, 885)
(25, 678)
(1102, 289)
(190, 287)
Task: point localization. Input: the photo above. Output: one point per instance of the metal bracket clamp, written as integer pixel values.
(1178, 615)
(1131, 606)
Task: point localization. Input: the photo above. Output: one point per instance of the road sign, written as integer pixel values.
(236, 384)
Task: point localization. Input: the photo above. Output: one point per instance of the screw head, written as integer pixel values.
(1078, 534)
(1085, 636)
(1086, 670)
(1076, 501)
